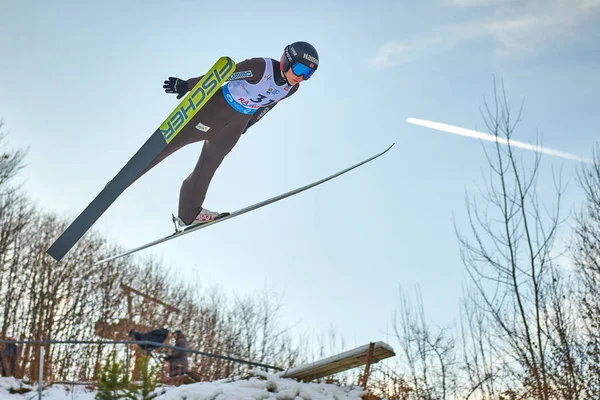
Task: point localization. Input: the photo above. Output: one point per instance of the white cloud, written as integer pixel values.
(515, 28)
(589, 4)
(386, 53)
(396, 53)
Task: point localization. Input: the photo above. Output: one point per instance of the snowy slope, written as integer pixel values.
(261, 386)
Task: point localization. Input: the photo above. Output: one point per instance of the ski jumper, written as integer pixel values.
(252, 91)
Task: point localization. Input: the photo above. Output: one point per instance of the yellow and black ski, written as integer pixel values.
(185, 111)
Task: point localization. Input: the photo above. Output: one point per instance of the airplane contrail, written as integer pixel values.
(486, 136)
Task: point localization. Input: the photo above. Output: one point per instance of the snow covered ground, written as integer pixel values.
(261, 386)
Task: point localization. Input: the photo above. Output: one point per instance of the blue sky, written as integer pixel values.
(81, 85)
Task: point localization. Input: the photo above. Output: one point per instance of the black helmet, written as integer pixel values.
(303, 53)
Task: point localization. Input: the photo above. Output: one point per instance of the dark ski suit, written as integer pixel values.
(226, 127)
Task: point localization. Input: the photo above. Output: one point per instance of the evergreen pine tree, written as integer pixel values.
(113, 379)
(149, 376)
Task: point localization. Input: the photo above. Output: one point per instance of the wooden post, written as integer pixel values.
(370, 359)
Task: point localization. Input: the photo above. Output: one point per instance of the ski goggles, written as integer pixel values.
(302, 70)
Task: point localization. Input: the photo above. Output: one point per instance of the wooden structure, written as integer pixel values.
(363, 355)
(120, 330)
(128, 290)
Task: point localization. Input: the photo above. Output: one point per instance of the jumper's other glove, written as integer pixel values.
(176, 85)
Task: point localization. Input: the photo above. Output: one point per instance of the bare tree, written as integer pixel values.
(586, 253)
(388, 383)
(564, 346)
(482, 377)
(510, 252)
(11, 162)
(15, 210)
(428, 354)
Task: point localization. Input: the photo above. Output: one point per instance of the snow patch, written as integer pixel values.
(258, 387)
